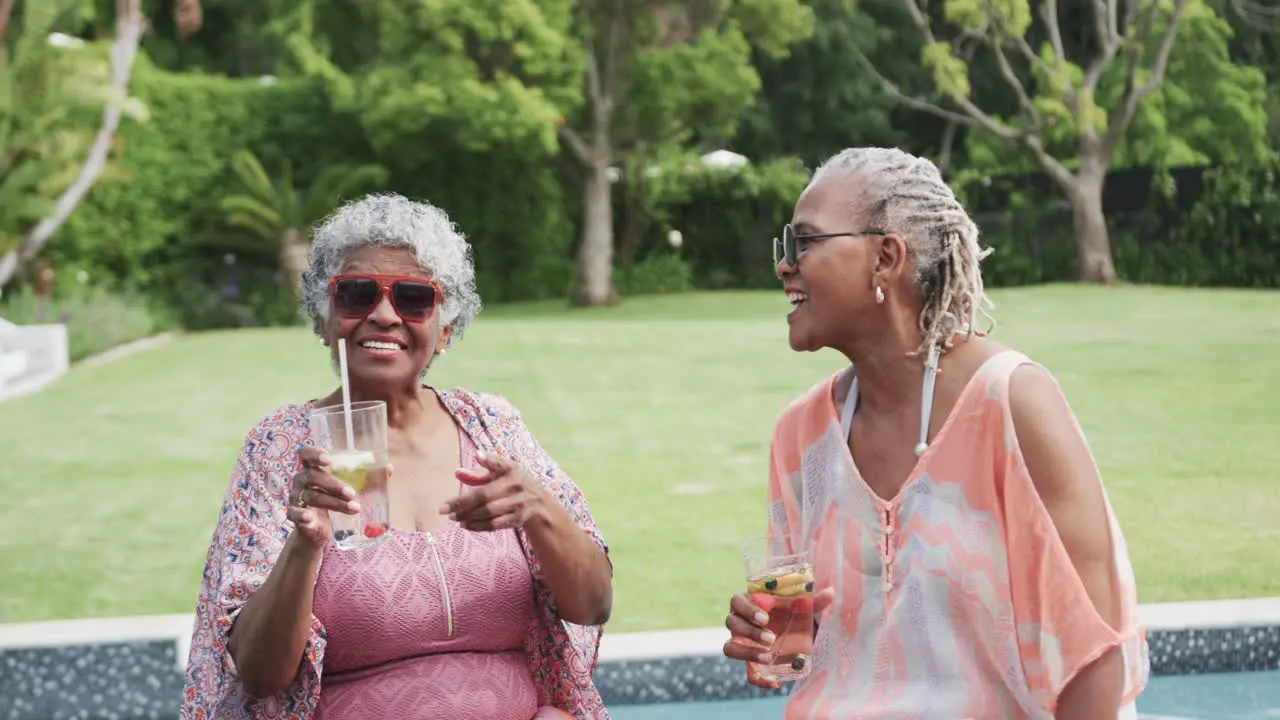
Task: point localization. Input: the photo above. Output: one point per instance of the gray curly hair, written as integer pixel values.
(394, 221)
(907, 196)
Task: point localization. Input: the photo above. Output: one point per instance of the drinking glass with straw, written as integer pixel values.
(354, 434)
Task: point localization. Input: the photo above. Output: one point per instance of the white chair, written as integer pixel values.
(31, 357)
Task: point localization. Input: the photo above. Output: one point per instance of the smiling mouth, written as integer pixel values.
(796, 298)
(381, 345)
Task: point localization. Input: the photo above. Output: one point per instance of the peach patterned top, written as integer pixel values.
(955, 599)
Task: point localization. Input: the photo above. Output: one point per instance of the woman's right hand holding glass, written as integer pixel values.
(749, 637)
(313, 493)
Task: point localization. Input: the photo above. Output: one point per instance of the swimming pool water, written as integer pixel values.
(1220, 696)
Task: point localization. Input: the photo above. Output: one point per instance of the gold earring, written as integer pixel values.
(879, 296)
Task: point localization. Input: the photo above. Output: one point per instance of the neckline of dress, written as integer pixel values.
(923, 459)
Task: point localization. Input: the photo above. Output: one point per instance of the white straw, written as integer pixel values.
(346, 393)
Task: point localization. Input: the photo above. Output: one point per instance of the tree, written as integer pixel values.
(1129, 50)
(818, 99)
(76, 81)
(1210, 110)
(278, 214)
(660, 72)
(1256, 42)
(491, 74)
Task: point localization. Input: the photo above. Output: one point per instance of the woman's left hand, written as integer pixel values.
(506, 496)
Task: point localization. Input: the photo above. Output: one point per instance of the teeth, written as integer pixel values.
(795, 298)
(376, 345)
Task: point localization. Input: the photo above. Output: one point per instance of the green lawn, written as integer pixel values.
(661, 409)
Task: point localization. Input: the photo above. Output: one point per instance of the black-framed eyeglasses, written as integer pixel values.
(792, 245)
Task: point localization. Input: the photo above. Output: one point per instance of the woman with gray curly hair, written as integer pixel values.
(488, 597)
(965, 559)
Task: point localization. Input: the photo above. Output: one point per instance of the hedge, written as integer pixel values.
(151, 226)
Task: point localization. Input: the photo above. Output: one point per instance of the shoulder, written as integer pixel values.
(282, 428)
(815, 400)
(810, 409)
(490, 405)
(1037, 406)
(1049, 437)
(1061, 468)
(1033, 387)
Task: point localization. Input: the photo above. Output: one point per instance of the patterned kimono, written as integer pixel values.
(252, 530)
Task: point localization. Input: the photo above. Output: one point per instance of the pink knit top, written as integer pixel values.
(428, 625)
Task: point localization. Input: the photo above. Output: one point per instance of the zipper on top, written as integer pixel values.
(444, 584)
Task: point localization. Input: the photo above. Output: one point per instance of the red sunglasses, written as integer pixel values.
(355, 296)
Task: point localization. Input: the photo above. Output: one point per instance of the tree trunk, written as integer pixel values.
(595, 255)
(948, 147)
(634, 221)
(129, 28)
(1093, 241)
(293, 257)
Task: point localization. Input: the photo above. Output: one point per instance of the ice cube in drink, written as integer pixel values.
(368, 477)
(790, 620)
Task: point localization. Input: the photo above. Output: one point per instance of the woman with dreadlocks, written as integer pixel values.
(967, 561)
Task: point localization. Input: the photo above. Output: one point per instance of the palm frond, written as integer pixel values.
(250, 173)
(252, 214)
(336, 183)
(255, 226)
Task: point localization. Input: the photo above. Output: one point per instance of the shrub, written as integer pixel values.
(170, 171)
(1200, 226)
(96, 319)
(154, 225)
(727, 217)
(659, 273)
(1229, 237)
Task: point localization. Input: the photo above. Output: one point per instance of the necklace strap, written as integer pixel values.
(926, 401)
(926, 397)
(850, 404)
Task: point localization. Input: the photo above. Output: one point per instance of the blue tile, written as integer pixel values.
(142, 680)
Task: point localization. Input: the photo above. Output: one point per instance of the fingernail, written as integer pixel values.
(481, 455)
(323, 459)
(444, 508)
(353, 506)
(348, 492)
(762, 618)
(767, 637)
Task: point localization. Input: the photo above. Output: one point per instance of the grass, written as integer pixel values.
(662, 410)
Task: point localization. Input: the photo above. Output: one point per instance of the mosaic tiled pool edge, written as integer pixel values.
(1173, 652)
(143, 679)
(115, 681)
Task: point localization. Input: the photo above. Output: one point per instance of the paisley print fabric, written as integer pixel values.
(252, 529)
